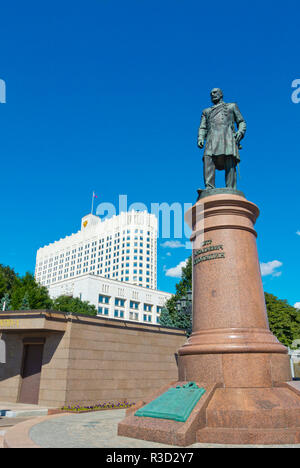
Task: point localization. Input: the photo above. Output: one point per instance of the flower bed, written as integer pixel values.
(87, 409)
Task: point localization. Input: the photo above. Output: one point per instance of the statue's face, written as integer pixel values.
(216, 94)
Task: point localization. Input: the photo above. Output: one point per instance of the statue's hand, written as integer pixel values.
(238, 136)
(200, 143)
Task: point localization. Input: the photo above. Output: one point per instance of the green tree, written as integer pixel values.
(8, 278)
(74, 305)
(165, 319)
(5, 303)
(37, 295)
(172, 316)
(284, 320)
(25, 302)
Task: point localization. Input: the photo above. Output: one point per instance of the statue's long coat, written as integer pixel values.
(217, 126)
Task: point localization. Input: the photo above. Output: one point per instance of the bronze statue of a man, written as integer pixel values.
(218, 128)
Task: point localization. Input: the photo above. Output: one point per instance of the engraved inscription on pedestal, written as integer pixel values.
(208, 247)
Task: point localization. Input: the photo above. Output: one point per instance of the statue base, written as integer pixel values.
(241, 416)
(231, 352)
(202, 193)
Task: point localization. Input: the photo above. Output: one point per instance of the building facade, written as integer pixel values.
(83, 360)
(114, 299)
(122, 248)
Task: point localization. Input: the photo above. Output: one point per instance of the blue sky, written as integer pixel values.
(107, 95)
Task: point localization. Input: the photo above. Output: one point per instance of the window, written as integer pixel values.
(119, 313)
(147, 318)
(102, 311)
(134, 305)
(147, 308)
(158, 309)
(119, 302)
(133, 316)
(103, 299)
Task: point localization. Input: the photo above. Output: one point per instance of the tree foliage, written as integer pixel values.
(25, 302)
(284, 320)
(37, 296)
(8, 278)
(73, 305)
(24, 293)
(172, 316)
(165, 319)
(5, 303)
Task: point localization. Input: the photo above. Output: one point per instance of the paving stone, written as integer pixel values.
(96, 430)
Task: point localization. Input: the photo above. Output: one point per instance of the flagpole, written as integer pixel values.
(92, 203)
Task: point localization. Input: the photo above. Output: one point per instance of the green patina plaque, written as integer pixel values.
(176, 403)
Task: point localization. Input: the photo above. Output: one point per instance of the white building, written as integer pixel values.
(114, 299)
(122, 248)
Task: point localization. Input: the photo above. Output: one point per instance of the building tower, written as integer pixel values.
(122, 248)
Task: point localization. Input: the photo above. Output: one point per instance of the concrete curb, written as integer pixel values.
(18, 436)
(25, 413)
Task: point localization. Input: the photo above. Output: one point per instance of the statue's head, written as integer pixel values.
(216, 95)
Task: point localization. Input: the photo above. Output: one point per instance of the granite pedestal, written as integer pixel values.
(231, 352)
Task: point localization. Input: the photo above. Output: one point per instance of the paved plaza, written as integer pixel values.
(88, 430)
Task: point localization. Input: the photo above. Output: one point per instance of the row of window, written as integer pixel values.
(116, 268)
(109, 237)
(86, 248)
(132, 304)
(55, 279)
(93, 258)
(120, 314)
